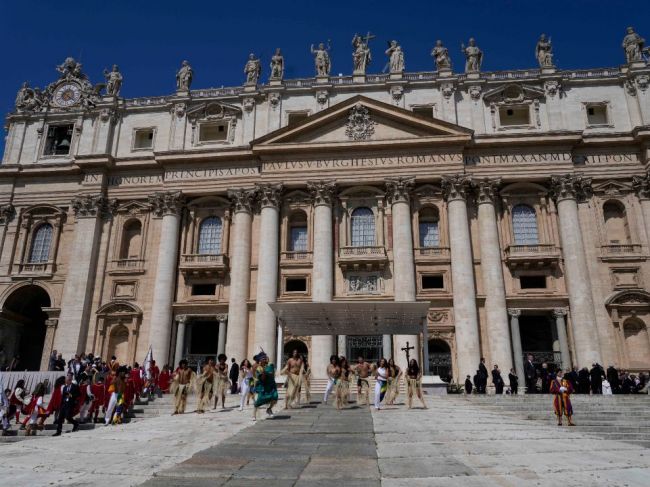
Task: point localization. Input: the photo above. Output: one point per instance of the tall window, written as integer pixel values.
(429, 230)
(131, 240)
(210, 236)
(41, 243)
(363, 227)
(616, 226)
(298, 232)
(524, 225)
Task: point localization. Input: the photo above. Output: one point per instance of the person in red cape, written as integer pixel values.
(129, 392)
(36, 410)
(154, 375)
(135, 375)
(55, 400)
(99, 392)
(164, 379)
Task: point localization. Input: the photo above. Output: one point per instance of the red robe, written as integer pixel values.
(154, 374)
(83, 395)
(134, 376)
(99, 392)
(107, 394)
(55, 402)
(163, 381)
(561, 400)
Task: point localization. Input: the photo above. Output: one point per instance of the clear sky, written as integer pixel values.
(149, 39)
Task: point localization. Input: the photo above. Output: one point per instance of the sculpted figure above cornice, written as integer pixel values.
(270, 195)
(399, 189)
(456, 187)
(570, 186)
(167, 203)
(322, 192)
(242, 199)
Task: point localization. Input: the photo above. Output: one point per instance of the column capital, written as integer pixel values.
(487, 190)
(52, 322)
(7, 213)
(399, 189)
(242, 199)
(222, 317)
(570, 187)
(641, 185)
(322, 192)
(456, 187)
(182, 319)
(167, 203)
(560, 312)
(92, 206)
(514, 312)
(270, 195)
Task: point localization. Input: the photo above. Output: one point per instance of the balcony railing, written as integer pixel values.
(36, 268)
(297, 256)
(126, 266)
(203, 264)
(366, 255)
(432, 253)
(621, 249)
(533, 255)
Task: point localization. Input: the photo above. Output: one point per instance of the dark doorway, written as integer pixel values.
(292, 345)
(537, 337)
(23, 326)
(204, 338)
(440, 359)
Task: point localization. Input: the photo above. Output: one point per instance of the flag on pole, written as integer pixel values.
(147, 363)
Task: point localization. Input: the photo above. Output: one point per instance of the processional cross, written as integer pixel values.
(407, 349)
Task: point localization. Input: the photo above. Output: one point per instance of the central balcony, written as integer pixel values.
(34, 269)
(432, 254)
(532, 256)
(367, 257)
(204, 265)
(295, 257)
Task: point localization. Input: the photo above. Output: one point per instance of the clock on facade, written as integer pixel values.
(67, 95)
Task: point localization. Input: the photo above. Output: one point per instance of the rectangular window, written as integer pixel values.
(209, 289)
(143, 139)
(298, 241)
(435, 281)
(296, 117)
(429, 234)
(59, 139)
(597, 114)
(295, 285)
(514, 116)
(424, 111)
(212, 132)
(532, 282)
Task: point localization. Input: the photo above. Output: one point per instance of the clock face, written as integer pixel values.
(67, 94)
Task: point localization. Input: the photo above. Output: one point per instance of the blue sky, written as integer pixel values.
(148, 40)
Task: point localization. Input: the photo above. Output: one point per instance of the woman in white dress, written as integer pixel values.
(246, 381)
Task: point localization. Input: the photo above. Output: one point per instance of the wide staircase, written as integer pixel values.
(617, 417)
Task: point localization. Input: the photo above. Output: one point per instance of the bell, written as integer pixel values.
(64, 143)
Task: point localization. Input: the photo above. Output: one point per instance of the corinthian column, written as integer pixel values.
(7, 213)
(322, 346)
(168, 206)
(566, 190)
(492, 270)
(403, 262)
(80, 281)
(240, 273)
(642, 186)
(267, 267)
(455, 190)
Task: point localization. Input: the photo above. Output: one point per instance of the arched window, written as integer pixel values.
(524, 225)
(616, 228)
(363, 227)
(298, 232)
(210, 236)
(41, 243)
(429, 230)
(131, 240)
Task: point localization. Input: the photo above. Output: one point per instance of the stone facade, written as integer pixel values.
(516, 203)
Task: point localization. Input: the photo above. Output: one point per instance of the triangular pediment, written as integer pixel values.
(361, 121)
(612, 187)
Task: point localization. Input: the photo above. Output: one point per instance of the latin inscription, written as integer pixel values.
(535, 158)
(179, 175)
(354, 162)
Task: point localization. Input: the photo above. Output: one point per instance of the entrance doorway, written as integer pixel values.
(202, 341)
(370, 347)
(118, 344)
(292, 345)
(22, 327)
(440, 359)
(539, 338)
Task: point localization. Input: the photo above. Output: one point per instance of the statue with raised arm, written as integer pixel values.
(544, 52)
(395, 57)
(361, 56)
(184, 77)
(277, 65)
(473, 56)
(322, 59)
(252, 69)
(633, 45)
(113, 81)
(441, 56)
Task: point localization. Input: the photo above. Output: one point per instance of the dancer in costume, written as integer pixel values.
(36, 410)
(265, 387)
(17, 400)
(164, 379)
(331, 378)
(561, 390)
(205, 385)
(394, 378)
(306, 380)
(346, 377)
(381, 376)
(293, 370)
(414, 383)
(223, 382)
(86, 398)
(117, 402)
(362, 371)
(182, 381)
(246, 382)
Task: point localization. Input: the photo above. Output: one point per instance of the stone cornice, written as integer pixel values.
(242, 199)
(270, 195)
(399, 189)
(322, 192)
(456, 187)
(167, 203)
(570, 186)
(487, 190)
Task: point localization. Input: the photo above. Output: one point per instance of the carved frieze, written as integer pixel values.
(167, 203)
(363, 284)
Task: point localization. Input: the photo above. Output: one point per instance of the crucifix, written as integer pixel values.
(407, 349)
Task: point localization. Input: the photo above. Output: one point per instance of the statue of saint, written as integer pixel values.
(361, 56)
(252, 69)
(70, 69)
(29, 99)
(544, 52)
(441, 56)
(395, 57)
(473, 56)
(322, 59)
(633, 45)
(184, 77)
(113, 81)
(277, 65)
